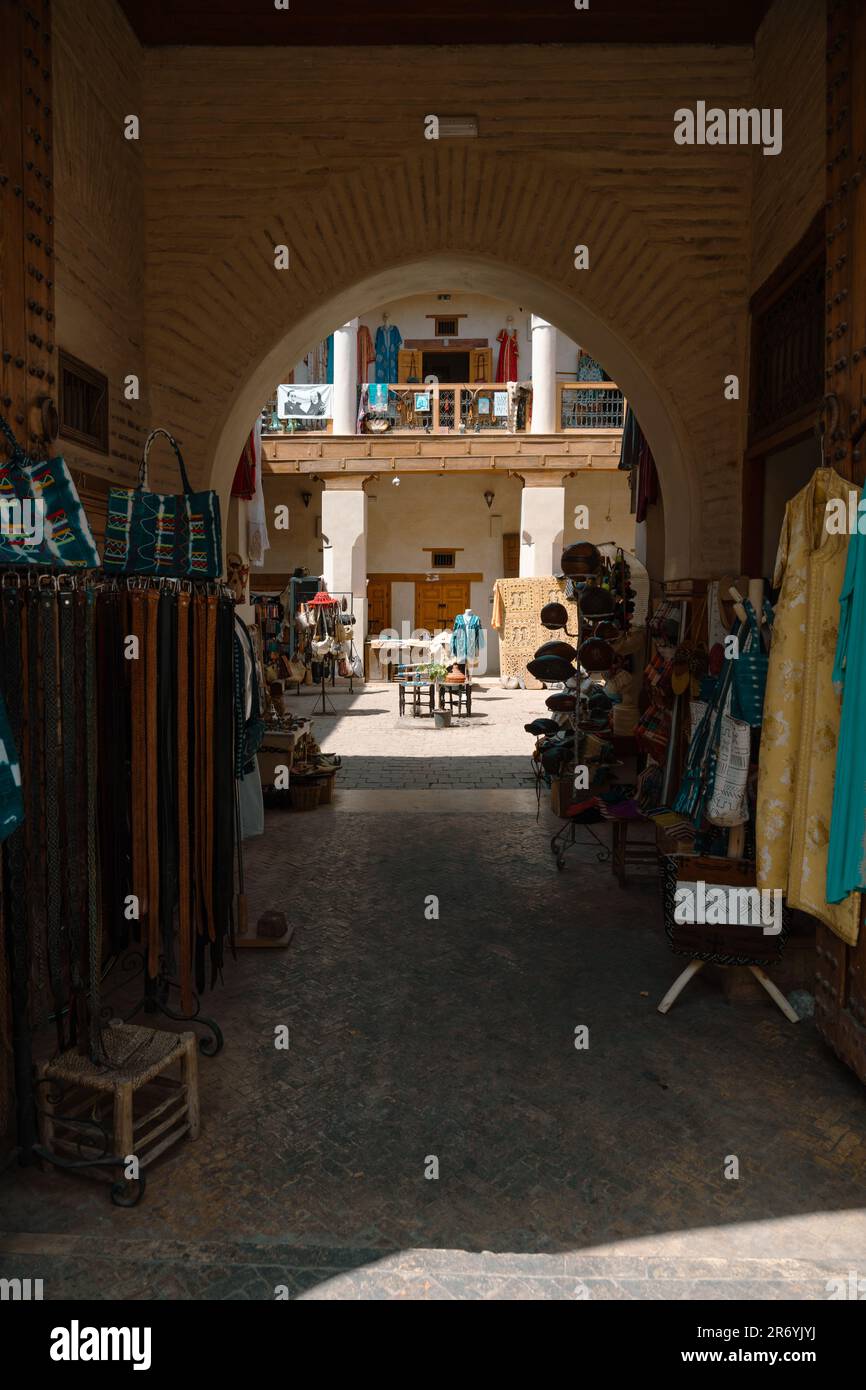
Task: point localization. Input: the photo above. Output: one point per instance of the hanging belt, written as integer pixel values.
(33, 810)
(152, 793)
(167, 752)
(208, 737)
(138, 756)
(184, 914)
(53, 856)
(112, 733)
(74, 791)
(94, 921)
(224, 785)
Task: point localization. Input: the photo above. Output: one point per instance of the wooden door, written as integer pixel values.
(481, 365)
(437, 605)
(378, 606)
(28, 370)
(840, 984)
(511, 555)
(410, 365)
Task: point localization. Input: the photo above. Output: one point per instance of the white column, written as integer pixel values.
(543, 376)
(346, 378)
(542, 529)
(344, 541)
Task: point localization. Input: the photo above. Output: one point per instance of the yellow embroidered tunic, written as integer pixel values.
(802, 711)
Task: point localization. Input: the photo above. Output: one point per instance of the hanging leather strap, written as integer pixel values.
(94, 919)
(53, 859)
(74, 791)
(184, 913)
(33, 808)
(152, 761)
(208, 739)
(138, 755)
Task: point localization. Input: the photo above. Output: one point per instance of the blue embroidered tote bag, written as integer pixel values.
(178, 537)
(42, 521)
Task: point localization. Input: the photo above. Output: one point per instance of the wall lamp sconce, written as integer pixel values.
(306, 498)
(488, 498)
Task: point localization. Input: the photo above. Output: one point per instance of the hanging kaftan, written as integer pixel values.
(802, 712)
(467, 638)
(846, 865)
(509, 352)
(388, 342)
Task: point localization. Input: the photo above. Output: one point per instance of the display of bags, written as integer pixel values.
(715, 780)
(177, 537)
(43, 496)
(750, 670)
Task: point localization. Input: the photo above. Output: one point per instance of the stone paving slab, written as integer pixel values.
(490, 749)
(454, 1037)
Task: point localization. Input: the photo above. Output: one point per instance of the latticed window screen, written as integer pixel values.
(443, 559)
(585, 409)
(83, 403)
(788, 353)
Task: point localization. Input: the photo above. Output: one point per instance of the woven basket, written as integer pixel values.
(305, 794)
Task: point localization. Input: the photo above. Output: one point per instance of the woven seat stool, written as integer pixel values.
(132, 1101)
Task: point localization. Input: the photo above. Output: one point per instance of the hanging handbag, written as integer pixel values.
(750, 671)
(61, 533)
(716, 774)
(158, 533)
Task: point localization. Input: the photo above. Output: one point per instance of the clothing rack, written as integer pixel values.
(120, 699)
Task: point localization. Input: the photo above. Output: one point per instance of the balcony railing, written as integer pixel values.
(583, 407)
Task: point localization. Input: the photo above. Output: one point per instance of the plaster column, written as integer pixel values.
(346, 378)
(344, 542)
(542, 525)
(543, 377)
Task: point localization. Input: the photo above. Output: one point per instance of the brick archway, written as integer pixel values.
(647, 307)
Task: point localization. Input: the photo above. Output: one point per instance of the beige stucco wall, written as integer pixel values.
(429, 510)
(372, 211)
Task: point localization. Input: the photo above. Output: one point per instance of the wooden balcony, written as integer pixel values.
(418, 433)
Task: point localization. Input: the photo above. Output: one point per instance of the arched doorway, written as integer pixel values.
(224, 322)
(658, 416)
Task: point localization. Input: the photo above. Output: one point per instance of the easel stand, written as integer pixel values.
(760, 975)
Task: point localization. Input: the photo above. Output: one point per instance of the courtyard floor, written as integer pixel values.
(562, 1173)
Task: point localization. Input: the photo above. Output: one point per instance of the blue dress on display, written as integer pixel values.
(467, 637)
(388, 342)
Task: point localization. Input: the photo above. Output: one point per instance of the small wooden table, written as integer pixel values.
(462, 691)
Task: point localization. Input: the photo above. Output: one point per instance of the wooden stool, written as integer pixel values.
(639, 855)
(138, 1060)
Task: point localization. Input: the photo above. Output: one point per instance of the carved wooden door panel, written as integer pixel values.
(28, 355)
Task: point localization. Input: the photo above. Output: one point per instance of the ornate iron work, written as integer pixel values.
(125, 1192)
(155, 1000)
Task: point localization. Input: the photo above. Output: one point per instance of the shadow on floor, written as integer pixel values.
(439, 970)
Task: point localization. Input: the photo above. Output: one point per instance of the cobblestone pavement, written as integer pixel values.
(491, 749)
(562, 1173)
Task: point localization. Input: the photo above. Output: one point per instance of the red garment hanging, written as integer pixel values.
(509, 351)
(244, 484)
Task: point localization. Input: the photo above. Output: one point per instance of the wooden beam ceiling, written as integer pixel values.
(342, 23)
